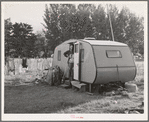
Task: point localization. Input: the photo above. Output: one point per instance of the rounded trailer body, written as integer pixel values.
(100, 62)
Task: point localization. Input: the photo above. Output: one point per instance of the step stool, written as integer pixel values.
(81, 86)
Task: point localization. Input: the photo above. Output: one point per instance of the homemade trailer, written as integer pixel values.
(97, 61)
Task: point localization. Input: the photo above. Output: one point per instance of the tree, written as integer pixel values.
(134, 32)
(52, 30)
(40, 44)
(127, 28)
(8, 39)
(20, 38)
(100, 25)
(122, 23)
(67, 21)
(23, 39)
(85, 26)
(64, 21)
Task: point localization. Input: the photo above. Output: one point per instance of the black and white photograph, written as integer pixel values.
(74, 60)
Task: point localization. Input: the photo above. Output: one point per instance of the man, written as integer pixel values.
(70, 55)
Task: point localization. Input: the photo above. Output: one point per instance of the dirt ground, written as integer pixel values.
(22, 96)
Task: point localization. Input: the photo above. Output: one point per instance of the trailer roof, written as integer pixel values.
(104, 42)
(98, 42)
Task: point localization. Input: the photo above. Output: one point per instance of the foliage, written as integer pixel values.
(100, 25)
(40, 45)
(67, 21)
(52, 31)
(19, 38)
(8, 40)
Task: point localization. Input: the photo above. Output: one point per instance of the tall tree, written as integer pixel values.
(67, 21)
(52, 29)
(8, 39)
(40, 44)
(122, 23)
(21, 39)
(100, 25)
(131, 30)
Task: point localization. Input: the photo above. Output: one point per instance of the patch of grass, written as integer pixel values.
(104, 105)
(19, 79)
(41, 99)
(13, 82)
(50, 99)
(114, 104)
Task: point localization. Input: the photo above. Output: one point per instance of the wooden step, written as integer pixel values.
(81, 86)
(67, 82)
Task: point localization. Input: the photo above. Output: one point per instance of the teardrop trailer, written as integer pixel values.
(97, 62)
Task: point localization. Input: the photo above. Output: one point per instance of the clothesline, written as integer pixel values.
(33, 64)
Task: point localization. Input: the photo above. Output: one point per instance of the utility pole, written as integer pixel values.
(110, 23)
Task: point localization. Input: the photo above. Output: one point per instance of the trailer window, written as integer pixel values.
(113, 54)
(82, 55)
(76, 48)
(59, 56)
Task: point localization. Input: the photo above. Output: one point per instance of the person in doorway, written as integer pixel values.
(70, 55)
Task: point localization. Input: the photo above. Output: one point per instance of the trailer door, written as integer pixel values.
(77, 61)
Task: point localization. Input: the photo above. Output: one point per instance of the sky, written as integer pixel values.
(32, 12)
